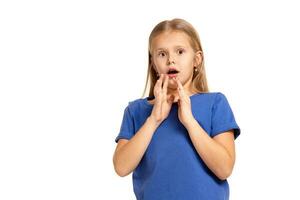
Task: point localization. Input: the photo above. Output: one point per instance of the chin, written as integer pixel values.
(172, 82)
(173, 87)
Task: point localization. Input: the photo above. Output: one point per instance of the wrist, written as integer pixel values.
(153, 122)
(190, 124)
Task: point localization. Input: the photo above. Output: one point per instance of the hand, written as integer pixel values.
(185, 114)
(163, 103)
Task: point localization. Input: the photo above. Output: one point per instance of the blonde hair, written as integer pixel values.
(199, 81)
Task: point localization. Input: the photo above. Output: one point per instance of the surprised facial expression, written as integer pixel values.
(173, 54)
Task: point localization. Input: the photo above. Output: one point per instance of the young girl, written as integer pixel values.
(179, 141)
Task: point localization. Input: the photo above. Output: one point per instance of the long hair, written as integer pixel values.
(199, 81)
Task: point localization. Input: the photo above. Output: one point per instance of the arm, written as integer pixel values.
(218, 153)
(129, 153)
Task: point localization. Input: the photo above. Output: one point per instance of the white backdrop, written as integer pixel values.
(69, 68)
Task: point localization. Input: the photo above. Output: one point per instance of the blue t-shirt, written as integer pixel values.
(171, 168)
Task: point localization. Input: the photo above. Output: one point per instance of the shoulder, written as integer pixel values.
(220, 101)
(135, 104)
(211, 99)
(219, 96)
(208, 94)
(208, 97)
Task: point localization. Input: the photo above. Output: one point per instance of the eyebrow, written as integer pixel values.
(161, 48)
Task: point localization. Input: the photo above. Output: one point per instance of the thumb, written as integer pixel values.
(171, 99)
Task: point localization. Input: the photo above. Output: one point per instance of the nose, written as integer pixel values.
(171, 60)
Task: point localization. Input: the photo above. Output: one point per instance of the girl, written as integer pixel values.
(179, 141)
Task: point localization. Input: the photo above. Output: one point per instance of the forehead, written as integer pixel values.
(167, 40)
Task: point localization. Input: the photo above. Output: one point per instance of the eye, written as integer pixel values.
(161, 53)
(180, 51)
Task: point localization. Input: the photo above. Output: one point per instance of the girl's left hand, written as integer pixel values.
(185, 114)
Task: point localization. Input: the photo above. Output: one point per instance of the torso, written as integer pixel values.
(171, 165)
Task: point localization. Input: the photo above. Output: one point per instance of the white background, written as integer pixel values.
(69, 68)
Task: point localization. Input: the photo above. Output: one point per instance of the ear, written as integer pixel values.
(198, 58)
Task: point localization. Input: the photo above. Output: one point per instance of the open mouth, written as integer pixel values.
(173, 71)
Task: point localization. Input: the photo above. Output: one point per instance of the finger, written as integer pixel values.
(180, 89)
(161, 96)
(176, 99)
(171, 99)
(165, 87)
(161, 80)
(179, 83)
(158, 84)
(159, 92)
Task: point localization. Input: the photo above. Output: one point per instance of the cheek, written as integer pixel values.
(161, 67)
(160, 61)
(156, 65)
(187, 71)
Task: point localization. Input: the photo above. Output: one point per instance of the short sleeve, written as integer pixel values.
(223, 117)
(127, 126)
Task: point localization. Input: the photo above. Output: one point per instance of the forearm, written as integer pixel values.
(128, 156)
(214, 155)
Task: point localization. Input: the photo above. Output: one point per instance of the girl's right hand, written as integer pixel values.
(163, 103)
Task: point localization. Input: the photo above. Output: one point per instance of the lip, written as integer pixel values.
(172, 75)
(173, 68)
